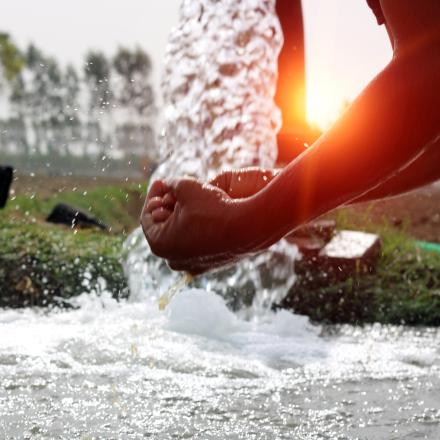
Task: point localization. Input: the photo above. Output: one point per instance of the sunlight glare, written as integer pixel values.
(324, 104)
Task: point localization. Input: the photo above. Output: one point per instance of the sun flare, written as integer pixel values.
(324, 105)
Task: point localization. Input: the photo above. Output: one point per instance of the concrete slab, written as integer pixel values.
(347, 254)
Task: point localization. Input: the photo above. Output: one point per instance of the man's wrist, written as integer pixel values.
(253, 224)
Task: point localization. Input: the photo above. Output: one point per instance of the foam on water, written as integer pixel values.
(198, 320)
(281, 336)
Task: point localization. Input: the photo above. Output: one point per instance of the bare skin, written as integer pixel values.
(386, 143)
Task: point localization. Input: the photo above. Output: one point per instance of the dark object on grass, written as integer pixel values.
(350, 253)
(6, 174)
(347, 254)
(67, 215)
(319, 229)
(312, 237)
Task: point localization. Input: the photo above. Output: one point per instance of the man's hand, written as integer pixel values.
(198, 227)
(195, 226)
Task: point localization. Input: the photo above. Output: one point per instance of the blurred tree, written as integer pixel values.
(11, 60)
(98, 74)
(71, 105)
(71, 92)
(55, 111)
(135, 91)
(136, 100)
(13, 137)
(17, 123)
(43, 99)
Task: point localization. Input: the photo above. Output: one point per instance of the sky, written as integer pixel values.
(344, 46)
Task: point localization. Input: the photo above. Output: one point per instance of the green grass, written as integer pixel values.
(43, 265)
(117, 206)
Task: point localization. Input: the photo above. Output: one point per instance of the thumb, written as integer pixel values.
(222, 181)
(184, 188)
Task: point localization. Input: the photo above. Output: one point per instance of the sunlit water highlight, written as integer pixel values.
(126, 370)
(112, 370)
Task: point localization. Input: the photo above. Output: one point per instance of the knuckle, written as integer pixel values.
(183, 187)
(153, 188)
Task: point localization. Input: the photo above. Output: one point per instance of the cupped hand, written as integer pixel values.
(195, 226)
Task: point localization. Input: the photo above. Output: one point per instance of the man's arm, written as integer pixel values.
(386, 128)
(382, 132)
(422, 171)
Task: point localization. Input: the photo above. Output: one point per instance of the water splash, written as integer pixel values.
(218, 85)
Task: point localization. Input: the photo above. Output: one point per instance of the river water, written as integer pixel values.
(126, 371)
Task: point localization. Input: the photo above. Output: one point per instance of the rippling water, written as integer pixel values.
(125, 370)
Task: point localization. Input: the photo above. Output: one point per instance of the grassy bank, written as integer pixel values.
(43, 264)
(403, 289)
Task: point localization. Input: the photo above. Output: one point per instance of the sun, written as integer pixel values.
(324, 103)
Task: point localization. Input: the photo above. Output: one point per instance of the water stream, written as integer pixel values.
(110, 370)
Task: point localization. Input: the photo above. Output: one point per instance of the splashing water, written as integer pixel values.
(218, 86)
(198, 371)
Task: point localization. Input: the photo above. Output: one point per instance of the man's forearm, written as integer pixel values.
(422, 171)
(380, 134)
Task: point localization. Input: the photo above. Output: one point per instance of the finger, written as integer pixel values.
(161, 215)
(189, 189)
(222, 180)
(158, 189)
(169, 201)
(148, 228)
(184, 188)
(154, 203)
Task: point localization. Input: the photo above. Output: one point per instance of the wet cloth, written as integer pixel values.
(377, 9)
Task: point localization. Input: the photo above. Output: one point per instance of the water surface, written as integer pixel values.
(125, 370)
